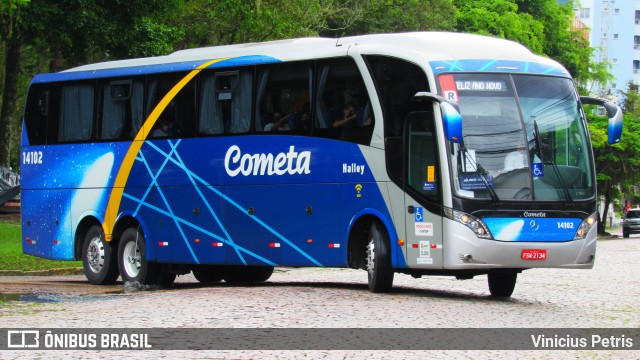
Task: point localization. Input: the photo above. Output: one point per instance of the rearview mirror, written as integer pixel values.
(451, 118)
(614, 128)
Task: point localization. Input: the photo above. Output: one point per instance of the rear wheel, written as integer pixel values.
(502, 284)
(133, 263)
(207, 273)
(240, 274)
(378, 260)
(99, 263)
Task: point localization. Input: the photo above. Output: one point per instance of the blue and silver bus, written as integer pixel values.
(417, 153)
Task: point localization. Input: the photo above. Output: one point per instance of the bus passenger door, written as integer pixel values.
(423, 207)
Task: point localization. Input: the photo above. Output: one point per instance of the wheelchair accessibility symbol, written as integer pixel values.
(537, 170)
(419, 214)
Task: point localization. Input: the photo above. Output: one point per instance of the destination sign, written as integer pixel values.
(481, 85)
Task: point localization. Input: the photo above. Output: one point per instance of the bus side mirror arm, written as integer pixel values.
(451, 118)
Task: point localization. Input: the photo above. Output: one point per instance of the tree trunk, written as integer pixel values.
(605, 210)
(13, 52)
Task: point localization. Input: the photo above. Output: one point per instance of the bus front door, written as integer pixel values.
(422, 218)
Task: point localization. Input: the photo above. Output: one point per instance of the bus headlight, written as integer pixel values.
(476, 225)
(585, 226)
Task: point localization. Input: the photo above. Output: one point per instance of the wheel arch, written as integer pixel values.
(358, 237)
(126, 221)
(83, 227)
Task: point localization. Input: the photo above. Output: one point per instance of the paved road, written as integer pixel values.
(605, 297)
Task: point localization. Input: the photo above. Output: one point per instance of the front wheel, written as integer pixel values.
(502, 284)
(99, 263)
(378, 260)
(625, 233)
(133, 263)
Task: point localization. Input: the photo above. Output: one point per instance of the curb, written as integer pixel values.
(50, 272)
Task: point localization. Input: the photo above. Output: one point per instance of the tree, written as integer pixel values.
(214, 22)
(500, 18)
(86, 31)
(10, 11)
(384, 16)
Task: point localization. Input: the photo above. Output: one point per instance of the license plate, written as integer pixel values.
(534, 254)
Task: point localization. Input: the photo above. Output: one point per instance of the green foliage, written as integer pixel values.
(12, 258)
(500, 18)
(213, 22)
(9, 11)
(383, 16)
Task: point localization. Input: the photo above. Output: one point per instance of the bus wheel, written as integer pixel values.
(207, 273)
(132, 261)
(502, 284)
(165, 278)
(100, 265)
(239, 274)
(378, 260)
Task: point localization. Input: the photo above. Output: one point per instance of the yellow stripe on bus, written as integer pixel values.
(127, 163)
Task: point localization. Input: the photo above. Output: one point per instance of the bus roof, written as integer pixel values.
(428, 46)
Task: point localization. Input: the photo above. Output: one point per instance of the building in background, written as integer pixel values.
(615, 33)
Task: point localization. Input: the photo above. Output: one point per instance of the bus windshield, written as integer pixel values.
(524, 138)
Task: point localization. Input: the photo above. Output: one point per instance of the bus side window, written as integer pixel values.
(396, 82)
(343, 109)
(282, 99)
(177, 117)
(122, 110)
(225, 103)
(36, 114)
(76, 113)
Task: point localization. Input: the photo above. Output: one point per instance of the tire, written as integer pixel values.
(207, 273)
(165, 278)
(98, 261)
(378, 260)
(133, 262)
(625, 234)
(241, 274)
(502, 284)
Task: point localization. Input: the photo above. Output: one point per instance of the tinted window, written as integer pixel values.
(396, 82)
(633, 214)
(225, 103)
(76, 113)
(177, 118)
(122, 112)
(283, 97)
(343, 109)
(36, 113)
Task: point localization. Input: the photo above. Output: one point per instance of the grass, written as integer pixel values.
(12, 258)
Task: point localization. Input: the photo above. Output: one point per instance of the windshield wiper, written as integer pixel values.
(483, 176)
(556, 170)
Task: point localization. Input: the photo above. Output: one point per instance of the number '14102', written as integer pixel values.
(32, 157)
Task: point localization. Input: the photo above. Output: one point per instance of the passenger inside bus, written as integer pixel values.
(278, 122)
(165, 129)
(348, 116)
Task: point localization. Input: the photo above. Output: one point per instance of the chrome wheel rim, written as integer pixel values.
(132, 259)
(370, 257)
(95, 254)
